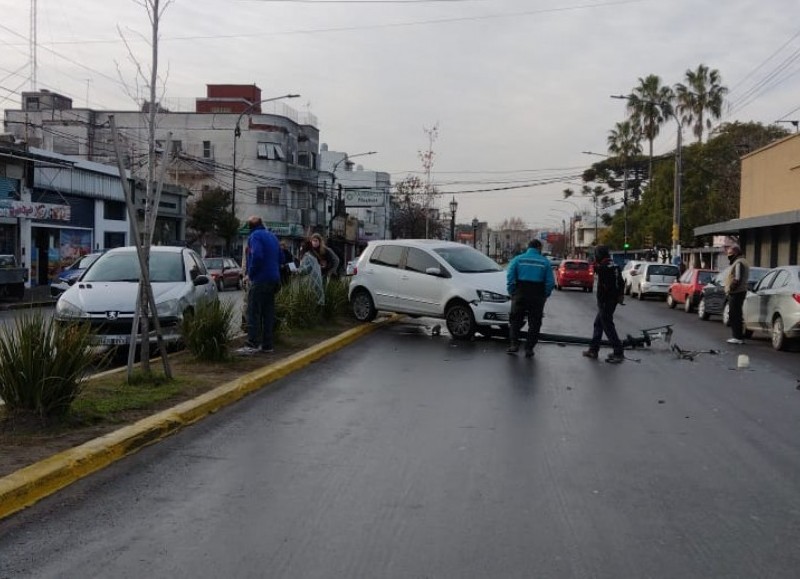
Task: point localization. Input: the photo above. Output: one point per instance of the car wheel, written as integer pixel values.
(778, 337)
(460, 321)
(687, 305)
(726, 315)
(220, 284)
(363, 306)
(671, 301)
(701, 310)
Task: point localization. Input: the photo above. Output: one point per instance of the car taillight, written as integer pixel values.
(796, 298)
(355, 269)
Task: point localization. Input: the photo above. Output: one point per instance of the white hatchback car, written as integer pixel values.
(105, 296)
(434, 278)
(653, 279)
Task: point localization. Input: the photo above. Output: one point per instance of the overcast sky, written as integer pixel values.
(518, 88)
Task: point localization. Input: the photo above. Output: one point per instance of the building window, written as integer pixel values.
(268, 195)
(114, 210)
(208, 152)
(271, 152)
(177, 146)
(304, 159)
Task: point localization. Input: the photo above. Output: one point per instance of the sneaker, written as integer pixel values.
(590, 354)
(529, 353)
(512, 350)
(615, 358)
(735, 341)
(246, 351)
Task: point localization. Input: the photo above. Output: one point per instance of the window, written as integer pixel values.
(271, 152)
(114, 210)
(781, 280)
(304, 159)
(388, 255)
(208, 152)
(418, 260)
(268, 195)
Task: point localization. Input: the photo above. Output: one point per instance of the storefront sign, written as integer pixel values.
(15, 209)
(364, 198)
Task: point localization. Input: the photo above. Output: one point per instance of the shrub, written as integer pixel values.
(336, 301)
(296, 307)
(208, 332)
(43, 365)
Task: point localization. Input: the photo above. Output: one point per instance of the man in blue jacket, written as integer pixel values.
(264, 259)
(530, 282)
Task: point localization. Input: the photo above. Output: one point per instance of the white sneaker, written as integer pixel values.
(735, 341)
(246, 351)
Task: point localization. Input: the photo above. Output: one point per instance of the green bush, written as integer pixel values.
(43, 365)
(208, 332)
(336, 301)
(296, 307)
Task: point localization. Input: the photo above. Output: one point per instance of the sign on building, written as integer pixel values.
(364, 198)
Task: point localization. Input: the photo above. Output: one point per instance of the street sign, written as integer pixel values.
(364, 198)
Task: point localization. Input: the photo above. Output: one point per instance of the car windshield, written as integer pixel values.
(467, 260)
(164, 267)
(213, 263)
(705, 276)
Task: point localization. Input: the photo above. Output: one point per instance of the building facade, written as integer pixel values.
(768, 227)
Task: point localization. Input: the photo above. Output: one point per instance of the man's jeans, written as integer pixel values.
(261, 314)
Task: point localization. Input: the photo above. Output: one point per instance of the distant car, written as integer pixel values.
(554, 261)
(577, 273)
(653, 279)
(438, 279)
(688, 288)
(774, 306)
(630, 267)
(72, 273)
(714, 302)
(224, 272)
(105, 296)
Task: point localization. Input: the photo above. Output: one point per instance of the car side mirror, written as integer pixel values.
(201, 279)
(434, 271)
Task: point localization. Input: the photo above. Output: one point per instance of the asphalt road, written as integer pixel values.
(408, 455)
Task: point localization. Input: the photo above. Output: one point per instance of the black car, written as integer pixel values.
(714, 302)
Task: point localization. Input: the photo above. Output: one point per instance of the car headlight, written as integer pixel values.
(66, 310)
(487, 296)
(167, 309)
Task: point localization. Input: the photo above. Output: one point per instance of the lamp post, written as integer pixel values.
(453, 208)
(475, 233)
(237, 132)
(333, 184)
(667, 108)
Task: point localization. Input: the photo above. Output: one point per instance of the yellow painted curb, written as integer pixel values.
(29, 485)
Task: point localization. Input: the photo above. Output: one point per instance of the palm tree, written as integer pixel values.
(700, 98)
(650, 106)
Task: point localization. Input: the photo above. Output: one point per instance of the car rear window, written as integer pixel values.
(388, 255)
(705, 276)
(663, 270)
(576, 265)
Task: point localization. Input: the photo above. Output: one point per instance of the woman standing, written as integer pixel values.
(328, 260)
(310, 267)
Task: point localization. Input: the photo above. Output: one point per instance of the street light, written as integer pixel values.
(676, 199)
(453, 207)
(237, 132)
(475, 233)
(333, 184)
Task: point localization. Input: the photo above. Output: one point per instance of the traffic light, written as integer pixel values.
(626, 245)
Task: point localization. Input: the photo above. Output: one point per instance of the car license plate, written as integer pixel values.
(113, 340)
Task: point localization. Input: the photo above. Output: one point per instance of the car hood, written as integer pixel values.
(493, 281)
(101, 296)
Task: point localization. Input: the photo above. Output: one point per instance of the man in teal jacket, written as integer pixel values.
(530, 282)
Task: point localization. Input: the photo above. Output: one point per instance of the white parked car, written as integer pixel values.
(434, 278)
(774, 306)
(105, 296)
(628, 270)
(653, 279)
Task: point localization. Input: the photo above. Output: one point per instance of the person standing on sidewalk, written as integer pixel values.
(610, 293)
(264, 259)
(736, 290)
(530, 282)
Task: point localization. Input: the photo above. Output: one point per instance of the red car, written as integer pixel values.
(688, 288)
(575, 273)
(224, 272)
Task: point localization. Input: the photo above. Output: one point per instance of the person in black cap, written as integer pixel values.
(610, 292)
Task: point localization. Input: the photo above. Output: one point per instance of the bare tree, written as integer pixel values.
(430, 192)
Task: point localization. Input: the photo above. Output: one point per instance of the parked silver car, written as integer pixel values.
(774, 306)
(653, 279)
(105, 296)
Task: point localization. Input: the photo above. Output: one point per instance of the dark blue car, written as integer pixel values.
(72, 273)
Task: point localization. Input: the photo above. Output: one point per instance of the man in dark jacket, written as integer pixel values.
(529, 281)
(264, 259)
(610, 292)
